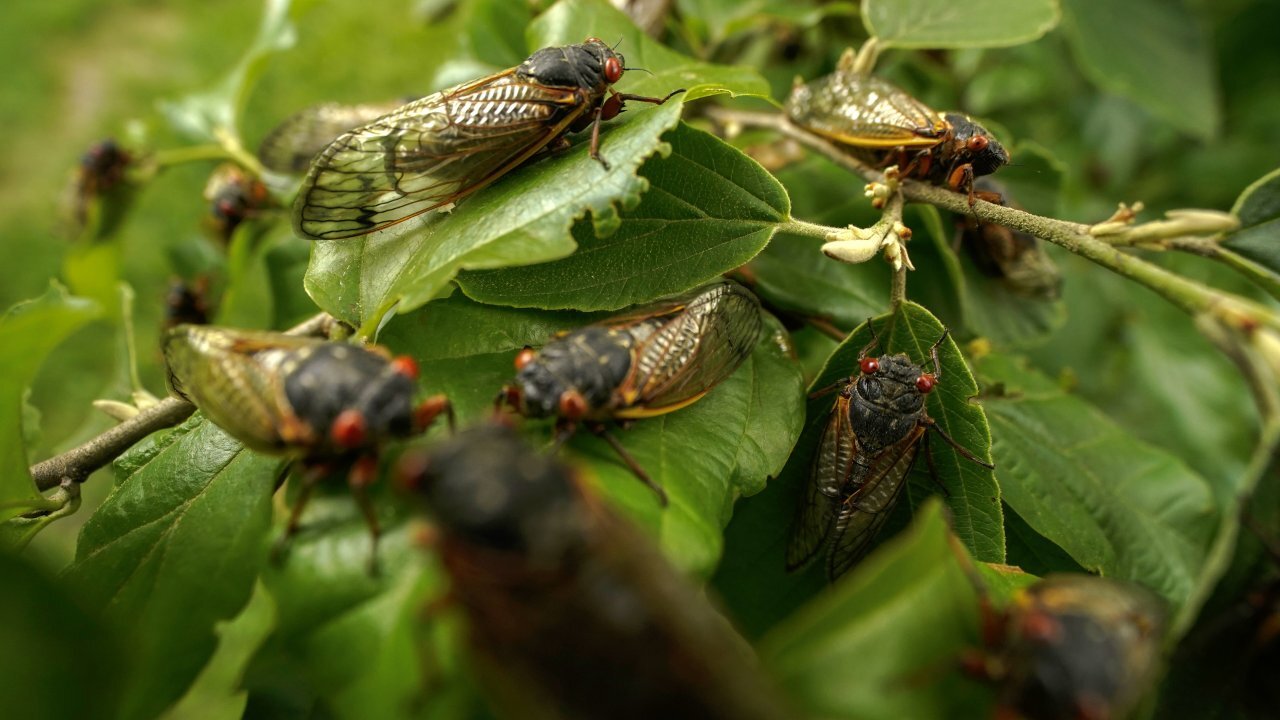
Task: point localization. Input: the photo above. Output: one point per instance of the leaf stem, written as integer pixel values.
(824, 233)
(194, 153)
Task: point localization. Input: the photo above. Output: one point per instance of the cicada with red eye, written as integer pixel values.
(882, 124)
(568, 605)
(437, 150)
(652, 360)
(329, 405)
(101, 174)
(866, 450)
(1071, 647)
(234, 196)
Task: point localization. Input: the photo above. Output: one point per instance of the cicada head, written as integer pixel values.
(591, 65)
(487, 487)
(976, 146)
(888, 400)
(573, 376)
(1079, 646)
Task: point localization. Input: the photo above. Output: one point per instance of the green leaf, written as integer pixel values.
(204, 116)
(705, 455)
(1115, 504)
(48, 632)
(1154, 52)
(753, 580)
(947, 24)
(709, 209)
(29, 331)
(1258, 208)
(886, 640)
(217, 694)
(173, 550)
(723, 18)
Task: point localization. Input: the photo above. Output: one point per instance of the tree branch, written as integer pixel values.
(78, 463)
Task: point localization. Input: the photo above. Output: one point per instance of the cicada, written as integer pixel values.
(884, 125)
(651, 360)
(567, 605)
(437, 150)
(234, 196)
(1073, 647)
(329, 405)
(290, 147)
(102, 170)
(1014, 257)
(866, 450)
(187, 302)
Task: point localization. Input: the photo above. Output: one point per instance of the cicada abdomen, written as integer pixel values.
(567, 605)
(1073, 646)
(330, 405)
(867, 448)
(882, 124)
(648, 361)
(441, 148)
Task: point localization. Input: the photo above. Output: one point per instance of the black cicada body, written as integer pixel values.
(867, 448)
(102, 171)
(649, 361)
(567, 605)
(234, 196)
(437, 150)
(330, 405)
(187, 302)
(1073, 647)
(1015, 258)
(884, 125)
(293, 144)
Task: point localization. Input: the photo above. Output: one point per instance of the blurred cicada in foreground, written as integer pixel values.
(1015, 258)
(437, 150)
(567, 605)
(648, 361)
(884, 125)
(1072, 647)
(863, 457)
(329, 405)
(291, 146)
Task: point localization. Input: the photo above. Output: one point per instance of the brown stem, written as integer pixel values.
(78, 463)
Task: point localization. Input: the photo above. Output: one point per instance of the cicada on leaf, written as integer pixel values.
(568, 605)
(648, 361)
(437, 150)
(1072, 647)
(329, 405)
(291, 145)
(884, 125)
(867, 448)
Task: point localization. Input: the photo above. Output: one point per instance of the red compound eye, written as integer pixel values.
(572, 405)
(612, 70)
(406, 366)
(524, 357)
(977, 143)
(348, 429)
(925, 383)
(869, 365)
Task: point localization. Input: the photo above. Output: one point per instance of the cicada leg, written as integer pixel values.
(631, 463)
(363, 474)
(310, 475)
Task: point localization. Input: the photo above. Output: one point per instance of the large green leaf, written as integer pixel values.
(1258, 208)
(752, 579)
(886, 640)
(709, 209)
(527, 216)
(1154, 52)
(1117, 505)
(726, 444)
(173, 550)
(946, 24)
(48, 632)
(28, 333)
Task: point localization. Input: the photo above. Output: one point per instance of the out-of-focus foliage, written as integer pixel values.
(1125, 442)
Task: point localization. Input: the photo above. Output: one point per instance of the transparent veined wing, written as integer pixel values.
(695, 344)
(829, 473)
(294, 143)
(430, 153)
(873, 489)
(864, 111)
